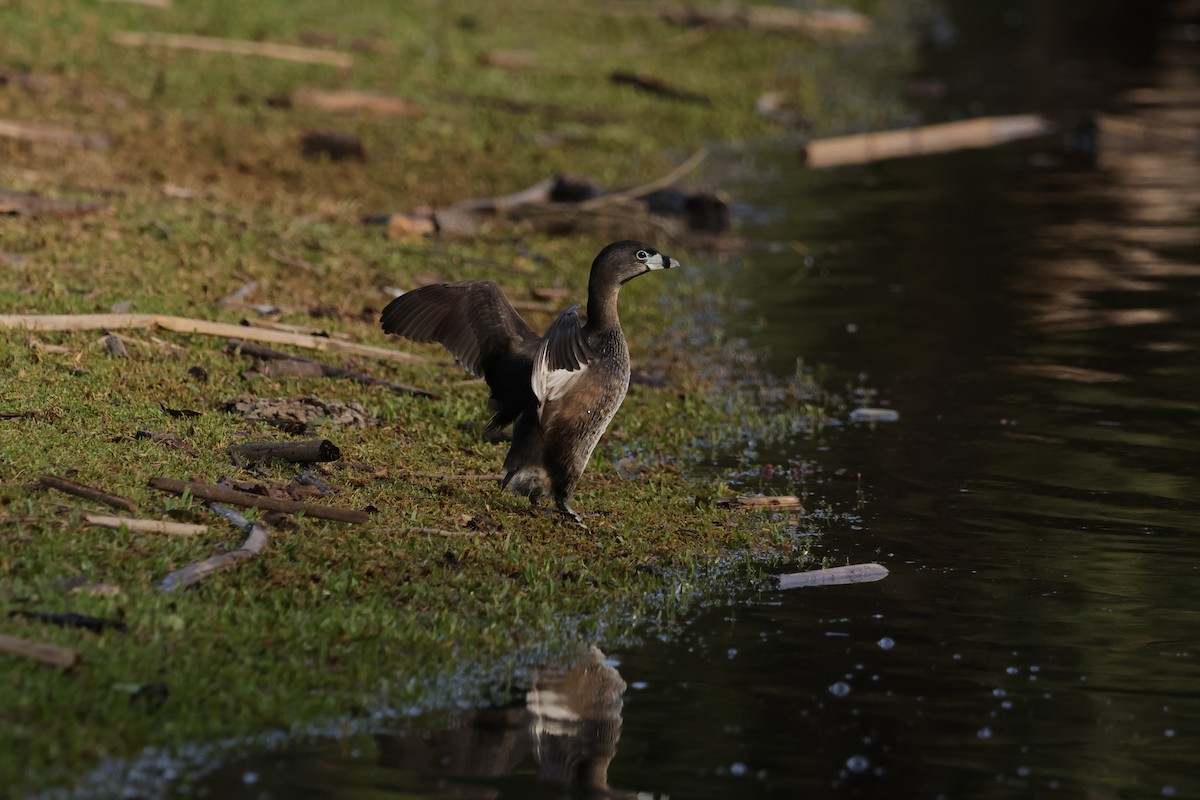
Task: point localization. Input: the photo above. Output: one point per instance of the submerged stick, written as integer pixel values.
(256, 540)
(145, 525)
(234, 497)
(79, 490)
(784, 502)
(305, 452)
(93, 322)
(44, 652)
(834, 576)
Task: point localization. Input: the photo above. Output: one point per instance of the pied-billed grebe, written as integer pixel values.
(560, 390)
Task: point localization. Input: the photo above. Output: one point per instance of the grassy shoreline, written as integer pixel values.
(335, 617)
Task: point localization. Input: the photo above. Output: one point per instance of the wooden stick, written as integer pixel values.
(256, 540)
(867, 147)
(349, 101)
(145, 525)
(95, 322)
(31, 132)
(234, 497)
(666, 180)
(181, 41)
(79, 490)
(303, 452)
(328, 370)
(784, 502)
(834, 576)
(52, 654)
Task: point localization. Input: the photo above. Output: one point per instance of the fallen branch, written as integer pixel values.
(315, 368)
(31, 132)
(284, 52)
(814, 23)
(43, 652)
(34, 205)
(349, 101)
(305, 452)
(864, 148)
(657, 86)
(88, 492)
(234, 497)
(145, 525)
(693, 161)
(256, 540)
(70, 620)
(834, 576)
(96, 322)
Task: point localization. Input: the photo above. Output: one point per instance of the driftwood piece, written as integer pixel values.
(815, 23)
(349, 101)
(303, 452)
(92, 322)
(32, 132)
(785, 502)
(35, 205)
(285, 52)
(834, 576)
(43, 652)
(313, 368)
(864, 148)
(88, 492)
(256, 540)
(145, 525)
(233, 497)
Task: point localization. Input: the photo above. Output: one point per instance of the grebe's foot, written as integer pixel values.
(570, 513)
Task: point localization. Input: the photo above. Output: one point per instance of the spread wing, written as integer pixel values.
(562, 358)
(477, 324)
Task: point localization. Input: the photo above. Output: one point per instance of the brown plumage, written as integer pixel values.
(560, 390)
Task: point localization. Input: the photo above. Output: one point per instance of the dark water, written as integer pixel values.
(1032, 315)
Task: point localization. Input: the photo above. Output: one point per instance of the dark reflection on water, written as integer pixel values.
(1033, 317)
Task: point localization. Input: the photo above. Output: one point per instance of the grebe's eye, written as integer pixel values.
(642, 255)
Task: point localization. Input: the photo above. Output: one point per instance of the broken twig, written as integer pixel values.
(145, 525)
(233, 497)
(52, 654)
(256, 540)
(285, 52)
(314, 368)
(88, 492)
(305, 452)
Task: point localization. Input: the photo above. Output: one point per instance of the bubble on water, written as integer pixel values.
(731, 652)
(737, 769)
(984, 733)
(1012, 670)
(858, 763)
(840, 689)
(1169, 733)
(886, 643)
(1034, 668)
(1168, 791)
(639, 685)
(250, 778)
(998, 693)
(1024, 772)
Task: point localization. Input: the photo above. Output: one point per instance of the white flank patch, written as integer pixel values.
(551, 384)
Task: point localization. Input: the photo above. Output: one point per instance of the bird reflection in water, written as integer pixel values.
(569, 721)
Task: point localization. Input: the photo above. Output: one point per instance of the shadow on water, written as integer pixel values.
(1031, 313)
